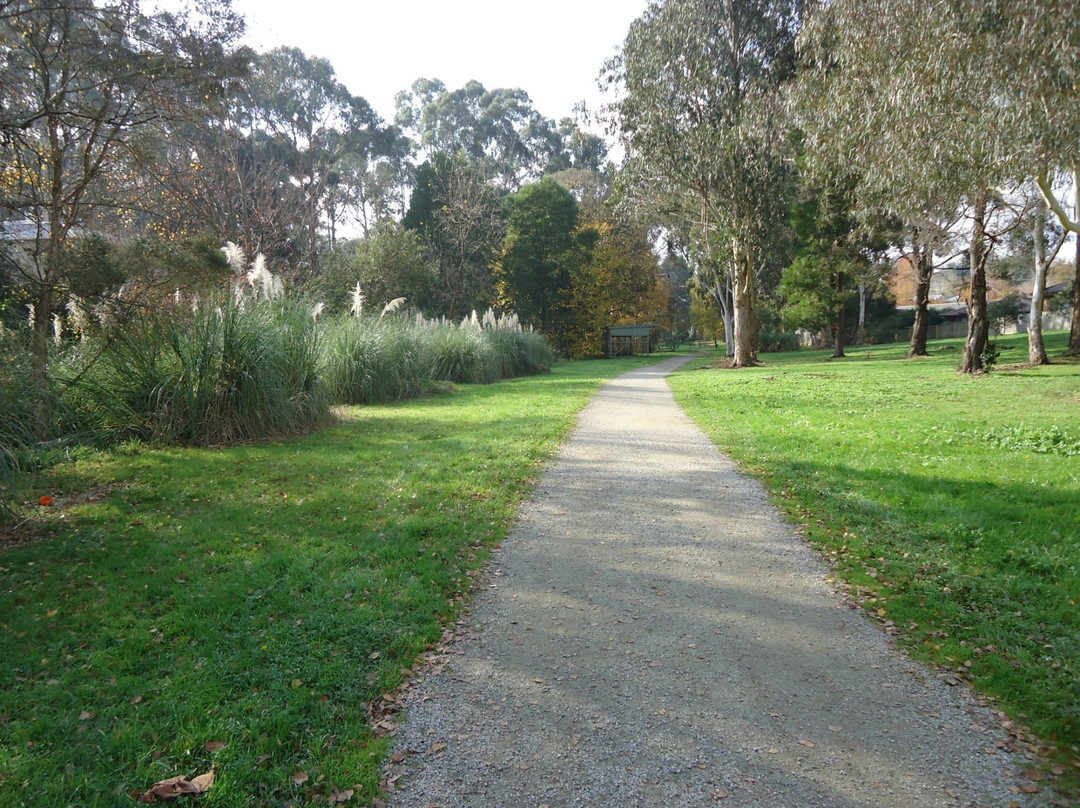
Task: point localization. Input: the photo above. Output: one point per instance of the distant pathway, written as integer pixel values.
(654, 634)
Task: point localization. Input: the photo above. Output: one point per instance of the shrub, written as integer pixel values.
(777, 341)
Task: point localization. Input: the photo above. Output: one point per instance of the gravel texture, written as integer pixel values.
(653, 633)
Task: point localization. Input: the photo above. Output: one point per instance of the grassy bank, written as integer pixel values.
(950, 504)
(181, 609)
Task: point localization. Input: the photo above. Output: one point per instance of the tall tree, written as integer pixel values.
(1046, 239)
(536, 267)
(498, 129)
(700, 116)
(459, 212)
(614, 277)
(316, 121)
(84, 83)
(943, 102)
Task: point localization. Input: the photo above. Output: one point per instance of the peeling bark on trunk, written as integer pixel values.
(978, 325)
(860, 331)
(745, 316)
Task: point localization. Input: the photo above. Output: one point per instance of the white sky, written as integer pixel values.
(552, 49)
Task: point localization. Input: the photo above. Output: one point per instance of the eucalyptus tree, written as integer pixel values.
(700, 116)
(87, 87)
(498, 129)
(1038, 67)
(943, 102)
(1046, 238)
(1035, 65)
(315, 121)
(901, 93)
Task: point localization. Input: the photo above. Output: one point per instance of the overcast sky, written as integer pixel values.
(552, 49)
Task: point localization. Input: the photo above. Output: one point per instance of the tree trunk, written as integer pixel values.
(860, 330)
(1074, 329)
(1036, 347)
(924, 268)
(721, 293)
(744, 311)
(838, 323)
(978, 325)
(729, 333)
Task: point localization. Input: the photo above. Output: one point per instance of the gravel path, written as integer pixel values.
(654, 634)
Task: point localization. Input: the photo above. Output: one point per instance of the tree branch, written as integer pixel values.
(1056, 206)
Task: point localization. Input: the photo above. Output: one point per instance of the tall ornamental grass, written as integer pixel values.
(371, 360)
(368, 361)
(17, 437)
(238, 371)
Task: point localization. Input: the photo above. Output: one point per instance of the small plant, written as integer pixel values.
(989, 356)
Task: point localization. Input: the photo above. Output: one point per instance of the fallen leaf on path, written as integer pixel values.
(836, 729)
(807, 744)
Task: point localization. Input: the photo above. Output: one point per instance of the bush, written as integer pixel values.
(777, 341)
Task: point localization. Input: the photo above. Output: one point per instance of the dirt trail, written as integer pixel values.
(654, 634)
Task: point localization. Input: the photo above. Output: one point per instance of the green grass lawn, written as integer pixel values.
(950, 504)
(179, 610)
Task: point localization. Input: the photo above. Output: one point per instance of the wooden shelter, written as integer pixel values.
(631, 340)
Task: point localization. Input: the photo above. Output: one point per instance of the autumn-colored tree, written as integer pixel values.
(615, 281)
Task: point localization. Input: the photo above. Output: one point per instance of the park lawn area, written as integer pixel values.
(177, 611)
(949, 504)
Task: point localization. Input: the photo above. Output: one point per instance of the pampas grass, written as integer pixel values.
(368, 360)
(230, 372)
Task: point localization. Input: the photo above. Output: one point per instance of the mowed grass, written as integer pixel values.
(951, 504)
(178, 610)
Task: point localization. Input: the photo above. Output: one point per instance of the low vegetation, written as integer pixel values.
(244, 368)
(169, 611)
(243, 611)
(949, 505)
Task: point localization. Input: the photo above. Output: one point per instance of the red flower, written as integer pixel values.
(46, 501)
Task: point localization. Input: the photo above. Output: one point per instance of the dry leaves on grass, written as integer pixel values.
(176, 787)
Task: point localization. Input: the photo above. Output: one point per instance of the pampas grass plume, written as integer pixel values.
(392, 306)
